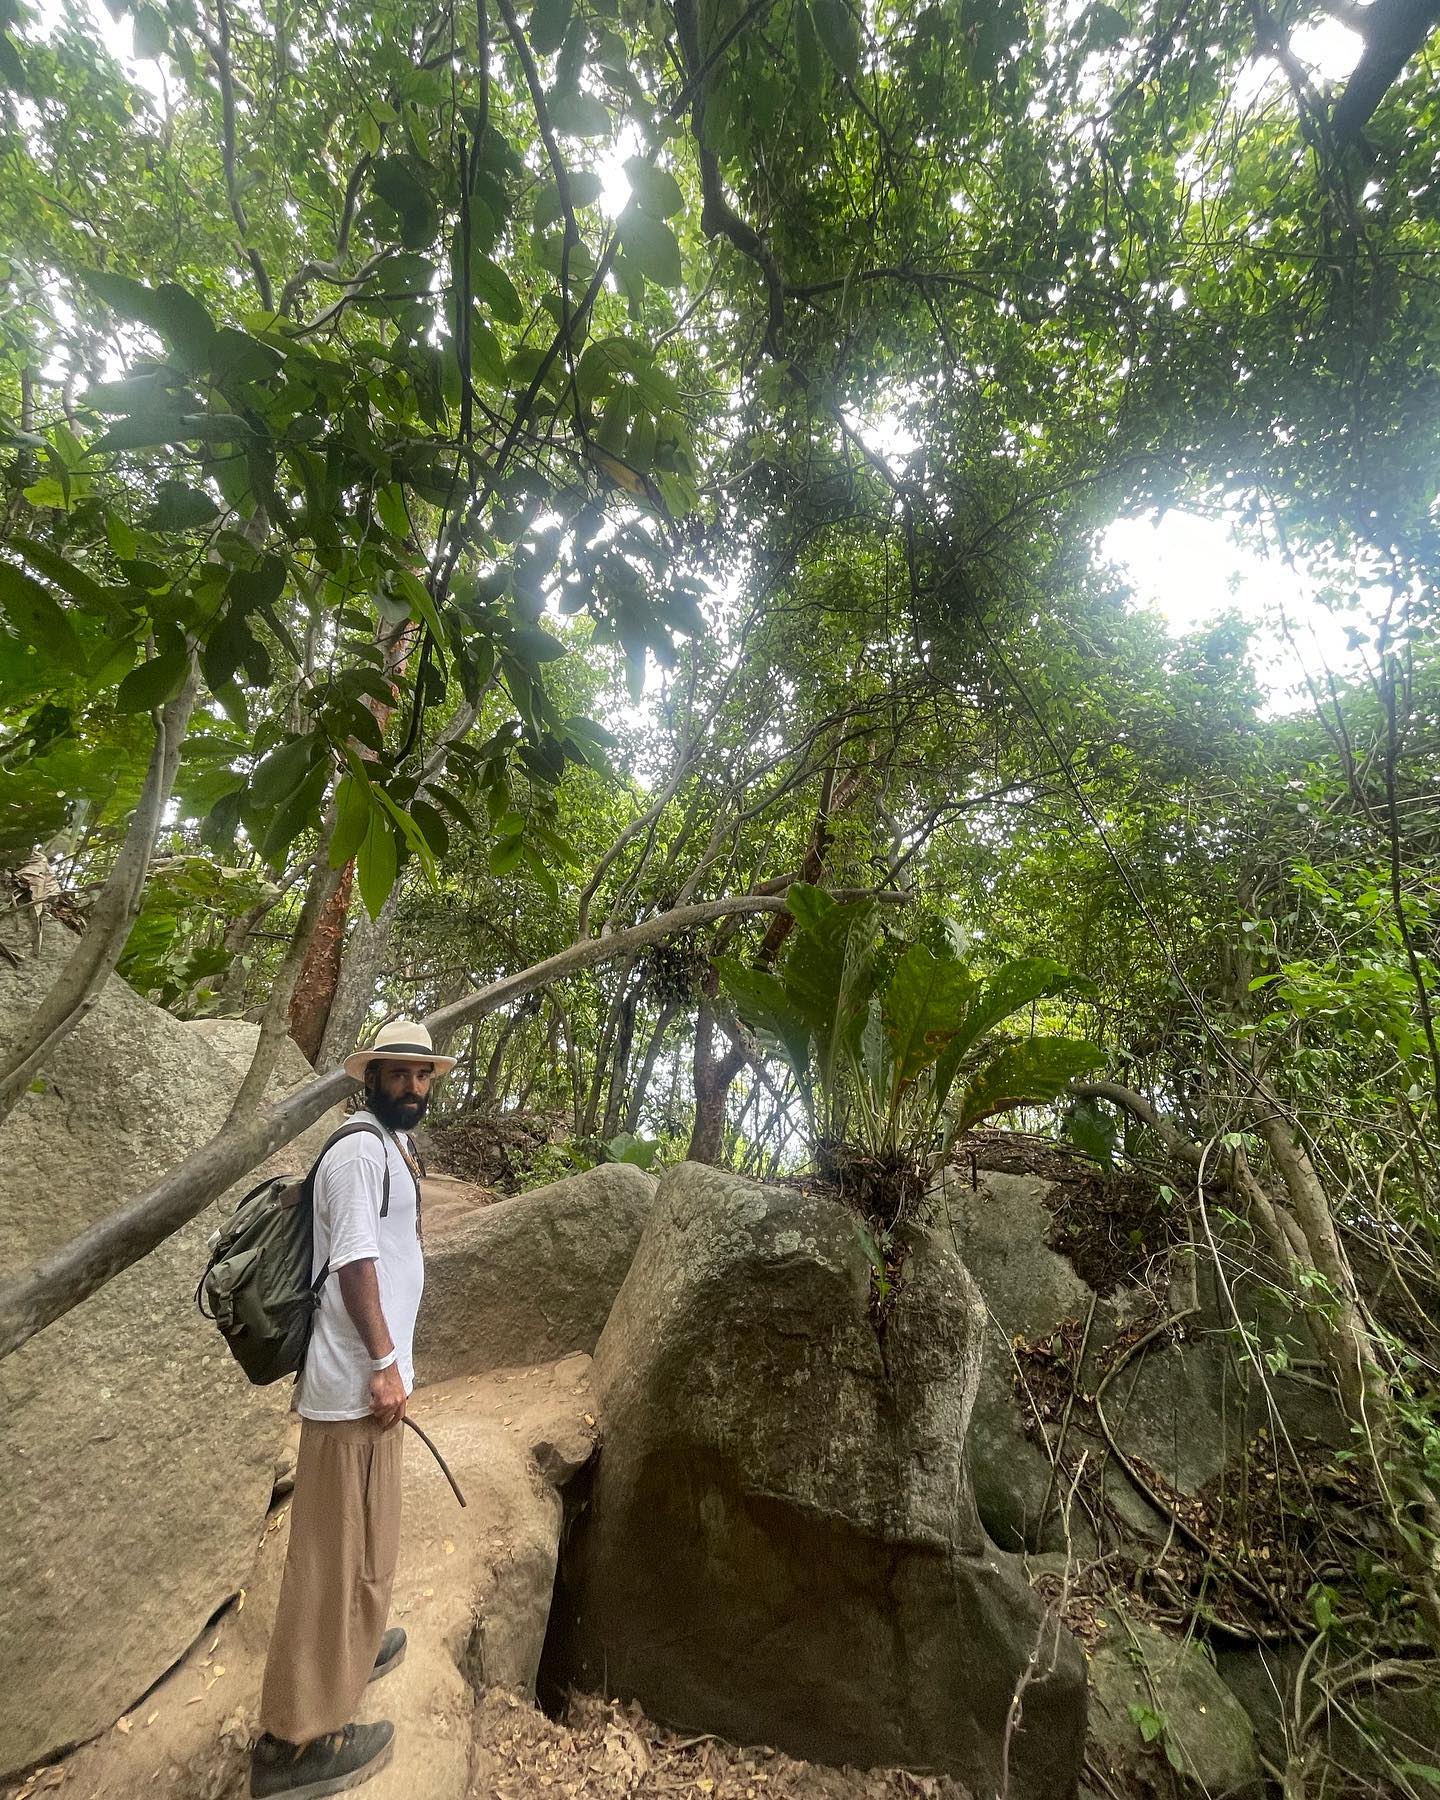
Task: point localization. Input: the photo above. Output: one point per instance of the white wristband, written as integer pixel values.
(377, 1363)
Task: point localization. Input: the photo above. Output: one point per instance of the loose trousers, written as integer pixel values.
(335, 1592)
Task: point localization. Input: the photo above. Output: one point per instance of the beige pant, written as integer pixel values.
(335, 1594)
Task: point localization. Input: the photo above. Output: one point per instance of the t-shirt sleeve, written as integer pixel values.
(349, 1190)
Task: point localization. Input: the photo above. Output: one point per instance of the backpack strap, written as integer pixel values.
(353, 1129)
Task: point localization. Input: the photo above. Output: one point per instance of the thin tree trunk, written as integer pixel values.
(620, 1062)
(75, 1270)
(491, 1081)
(320, 974)
(92, 962)
(713, 1075)
(360, 968)
(647, 1066)
(275, 1021)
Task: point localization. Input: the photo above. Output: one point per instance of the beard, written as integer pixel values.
(397, 1115)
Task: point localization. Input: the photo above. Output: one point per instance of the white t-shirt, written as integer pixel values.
(335, 1383)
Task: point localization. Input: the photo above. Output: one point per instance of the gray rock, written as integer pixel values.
(779, 1542)
(1201, 1742)
(532, 1278)
(1368, 1728)
(1185, 1407)
(137, 1461)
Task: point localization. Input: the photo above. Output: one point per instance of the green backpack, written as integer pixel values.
(257, 1286)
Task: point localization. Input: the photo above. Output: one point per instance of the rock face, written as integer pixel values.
(135, 1460)
(1162, 1720)
(530, 1279)
(1183, 1409)
(779, 1542)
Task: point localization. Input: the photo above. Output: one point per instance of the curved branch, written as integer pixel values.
(61, 1280)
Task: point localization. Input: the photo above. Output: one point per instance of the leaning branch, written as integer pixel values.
(73, 1272)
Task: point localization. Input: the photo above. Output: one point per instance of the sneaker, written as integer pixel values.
(392, 1653)
(326, 1765)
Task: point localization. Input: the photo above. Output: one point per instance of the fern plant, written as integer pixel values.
(895, 1058)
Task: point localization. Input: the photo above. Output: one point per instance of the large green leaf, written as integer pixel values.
(172, 311)
(377, 862)
(1017, 983)
(1024, 1075)
(925, 1005)
(651, 245)
(37, 618)
(762, 1002)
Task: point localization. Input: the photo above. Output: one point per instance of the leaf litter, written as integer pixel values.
(603, 1750)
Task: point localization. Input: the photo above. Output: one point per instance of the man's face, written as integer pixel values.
(399, 1093)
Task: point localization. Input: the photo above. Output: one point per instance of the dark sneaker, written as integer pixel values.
(327, 1765)
(392, 1653)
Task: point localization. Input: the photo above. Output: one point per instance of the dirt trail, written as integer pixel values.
(472, 1590)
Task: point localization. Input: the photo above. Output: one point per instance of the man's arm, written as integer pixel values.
(360, 1290)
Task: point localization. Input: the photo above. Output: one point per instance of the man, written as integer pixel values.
(330, 1638)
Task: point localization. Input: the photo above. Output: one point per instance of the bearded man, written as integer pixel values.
(330, 1636)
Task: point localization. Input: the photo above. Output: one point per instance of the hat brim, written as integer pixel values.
(356, 1065)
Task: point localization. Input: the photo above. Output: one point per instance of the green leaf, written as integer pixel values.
(152, 683)
(38, 619)
(579, 115)
(651, 245)
(152, 34)
(104, 602)
(837, 31)
(179, 507)
(352, 819)
(377, 862)
(1016, 984)
(763, 1003)
(924, 1005)
(412, 835)
(505, 855)
(400, 183)
(549, 20)
(282, 771)
(1024, 1075)
(172, 311)
(540, 869)
(655, 191)
(807, 47)
(492, 285)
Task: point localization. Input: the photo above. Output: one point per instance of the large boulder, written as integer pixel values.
(779, 1541)
(530, 1279)
(137, 1460)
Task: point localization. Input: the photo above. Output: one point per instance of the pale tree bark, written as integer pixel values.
(669, 1013)
(93, 960)
(75, 1270)
(360, 967)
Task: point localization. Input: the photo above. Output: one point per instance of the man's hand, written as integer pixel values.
(387, 1396)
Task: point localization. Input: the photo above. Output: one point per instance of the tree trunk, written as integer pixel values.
(360, 967)
(92, 962)
(647, 1066)
(713, 1075)
(620, 1062)
(275, 1021)
(317, 985)
(319, 976)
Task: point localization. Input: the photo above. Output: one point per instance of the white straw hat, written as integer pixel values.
(402, 1040)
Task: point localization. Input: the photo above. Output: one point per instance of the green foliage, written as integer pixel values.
(878, 1050)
